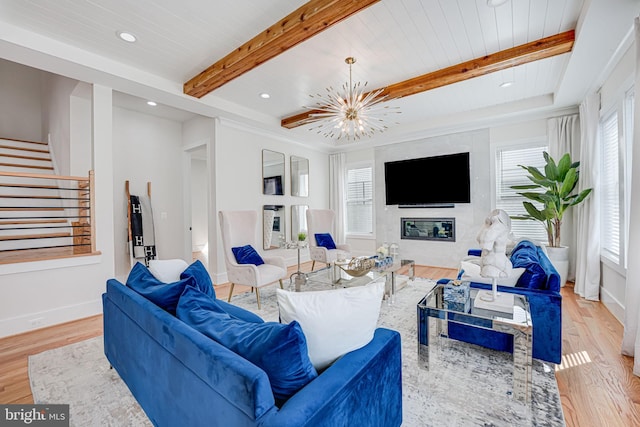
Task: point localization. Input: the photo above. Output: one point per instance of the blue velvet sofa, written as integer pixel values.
(540, 282)
(180, 377)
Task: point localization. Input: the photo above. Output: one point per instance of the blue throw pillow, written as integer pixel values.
(200, 274)
(525, 255)
(325, 240)
(279, 350)
(247, 255)
(164, 295)
(239, 312)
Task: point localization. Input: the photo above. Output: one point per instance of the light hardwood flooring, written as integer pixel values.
(596, 383)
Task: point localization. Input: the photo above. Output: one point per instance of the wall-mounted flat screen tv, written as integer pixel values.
(428, 180)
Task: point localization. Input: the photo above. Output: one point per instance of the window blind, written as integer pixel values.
(359, 200)
(610, 187)
(508, 173)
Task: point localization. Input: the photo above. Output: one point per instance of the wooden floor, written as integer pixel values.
(596, 383)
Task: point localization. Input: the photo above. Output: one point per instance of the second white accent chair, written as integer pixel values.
(322, 221)
(240, 228)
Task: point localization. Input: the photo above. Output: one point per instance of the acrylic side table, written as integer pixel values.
(434, 315)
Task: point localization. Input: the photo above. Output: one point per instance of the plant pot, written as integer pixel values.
(559, 257)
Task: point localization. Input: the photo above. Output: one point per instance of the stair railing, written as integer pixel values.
(45, 216)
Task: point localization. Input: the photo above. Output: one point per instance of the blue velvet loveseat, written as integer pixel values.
(181, 377)
(540, 282)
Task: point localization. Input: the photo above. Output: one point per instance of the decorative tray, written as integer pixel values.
(356, 267)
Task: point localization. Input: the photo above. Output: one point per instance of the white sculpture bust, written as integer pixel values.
(493, 238)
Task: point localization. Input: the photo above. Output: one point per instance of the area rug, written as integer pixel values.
(467, 385)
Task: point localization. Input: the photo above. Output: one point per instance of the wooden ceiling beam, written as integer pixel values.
(519, 55)
(308, 20)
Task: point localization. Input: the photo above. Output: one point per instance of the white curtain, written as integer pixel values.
(631, 337)
(336, 193)
(564, 137)
(587, 214)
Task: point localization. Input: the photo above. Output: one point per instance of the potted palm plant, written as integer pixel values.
(555, 191)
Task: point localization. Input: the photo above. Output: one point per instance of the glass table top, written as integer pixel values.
(333, 277)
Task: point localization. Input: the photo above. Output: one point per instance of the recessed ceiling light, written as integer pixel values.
(152, 103)
(265, 95)
(495, 3)
(128, 37)
(506, 84)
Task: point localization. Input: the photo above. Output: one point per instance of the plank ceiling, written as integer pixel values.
(393, 40)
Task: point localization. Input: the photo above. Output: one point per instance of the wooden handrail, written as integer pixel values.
(44, 176)
(24, 140)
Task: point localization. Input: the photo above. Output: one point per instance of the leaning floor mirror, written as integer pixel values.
(274, 227)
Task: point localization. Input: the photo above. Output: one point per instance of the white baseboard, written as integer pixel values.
(42, 319)
(220, 278)
(612, 304)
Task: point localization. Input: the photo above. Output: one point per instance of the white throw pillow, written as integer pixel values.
(334, 322)
(167, 270)
(502, 281)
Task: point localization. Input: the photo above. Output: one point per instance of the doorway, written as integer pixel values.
(199, 205)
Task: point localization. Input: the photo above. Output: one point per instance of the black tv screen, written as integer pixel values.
(428, 180)
(273, 185)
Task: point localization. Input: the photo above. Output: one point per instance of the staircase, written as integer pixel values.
(42, 215)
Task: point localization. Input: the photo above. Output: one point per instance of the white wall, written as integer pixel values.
(80, 147)
(38, 294)
(469, 216)
(49, 294)
(20, 103)
(238, 170)
(56, 118)
(148, 149)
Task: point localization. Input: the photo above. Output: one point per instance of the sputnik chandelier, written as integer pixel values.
(350, 114)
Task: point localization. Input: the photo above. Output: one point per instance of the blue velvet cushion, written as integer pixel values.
(239, 312)
(164, 295)
(325, 240)
(525, 254)
(247, 255)
(198, 271)
(200, 274)
(280, 350)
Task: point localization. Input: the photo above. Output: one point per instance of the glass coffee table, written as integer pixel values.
(334, 277)
(436, 310)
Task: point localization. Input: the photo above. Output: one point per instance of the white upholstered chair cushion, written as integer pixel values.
(322, 221)
(240, 228)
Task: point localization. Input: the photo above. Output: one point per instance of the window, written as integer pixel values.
(360, 200)
(610, 188)
(616, 131)
(508, 173)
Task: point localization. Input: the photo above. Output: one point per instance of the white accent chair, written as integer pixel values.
(240, 228)
(323, 221)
